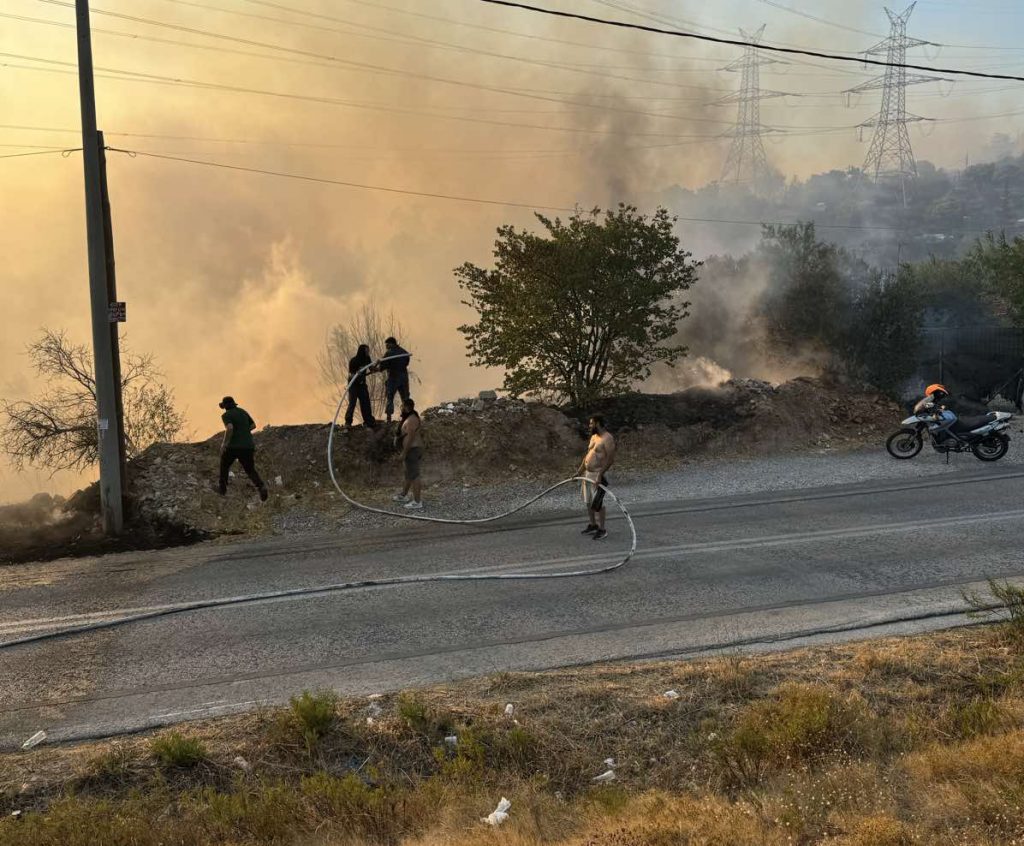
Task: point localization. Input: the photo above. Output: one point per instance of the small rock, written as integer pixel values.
(510, 709)
(16, 814)
(488, 396)
(279, 481)
(242, 764)
(452, 740)
(605, 777)
(671, 694)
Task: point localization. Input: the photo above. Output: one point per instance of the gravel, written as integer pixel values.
(701, 479)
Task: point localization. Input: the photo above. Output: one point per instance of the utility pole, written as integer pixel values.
(109, 429)
(746, 162)
(117, 315)
(890, 155)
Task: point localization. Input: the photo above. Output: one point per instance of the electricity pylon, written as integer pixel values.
(747, 162)
(890, 155)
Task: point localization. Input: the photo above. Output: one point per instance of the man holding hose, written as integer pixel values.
(600, 456)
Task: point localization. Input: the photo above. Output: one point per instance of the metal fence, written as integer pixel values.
(980, 362)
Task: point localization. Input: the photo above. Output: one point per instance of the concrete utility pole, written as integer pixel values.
(108, 420)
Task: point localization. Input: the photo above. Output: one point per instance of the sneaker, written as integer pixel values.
(591, 528)
(413, 505)
(264, 495)
(400, 498)
(600, 534)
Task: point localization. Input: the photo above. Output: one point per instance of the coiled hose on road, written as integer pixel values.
(365, 583)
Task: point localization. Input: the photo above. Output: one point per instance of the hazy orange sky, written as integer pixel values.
(232, 279)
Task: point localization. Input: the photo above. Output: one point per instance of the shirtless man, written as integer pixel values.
(600, 456)
(411, 443)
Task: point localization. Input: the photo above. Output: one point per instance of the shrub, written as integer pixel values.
(975, 718)
(1006, 598)
(315, 714)
(801, 725)
(422, 718)
(175, 751)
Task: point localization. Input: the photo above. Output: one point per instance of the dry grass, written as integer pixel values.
(913, 741)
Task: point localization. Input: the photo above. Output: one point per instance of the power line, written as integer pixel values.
(139, 76)
(324, 181)
(50, 151)
(489, 202)
(309, 54)
(733, 42)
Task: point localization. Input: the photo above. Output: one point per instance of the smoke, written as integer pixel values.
(233, 279)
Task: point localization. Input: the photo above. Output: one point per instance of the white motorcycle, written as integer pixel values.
(984, 435)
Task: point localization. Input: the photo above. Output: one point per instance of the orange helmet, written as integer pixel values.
(936, 388)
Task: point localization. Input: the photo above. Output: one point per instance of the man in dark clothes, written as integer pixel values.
(358, 391)
(397, 367)
(238, 445)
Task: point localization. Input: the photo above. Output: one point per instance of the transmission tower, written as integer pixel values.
(890, 155)
(746, 162)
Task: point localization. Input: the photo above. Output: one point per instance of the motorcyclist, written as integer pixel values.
(935, 396)
(937, 401)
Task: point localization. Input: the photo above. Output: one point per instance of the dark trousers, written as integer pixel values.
(398, 384)
(247, 458)
(359, 394)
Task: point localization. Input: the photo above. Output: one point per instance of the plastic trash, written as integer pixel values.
(499, 814)
(279, 481)
(605, 777)
(609, 762)
(373, 697)
(452, 740)
(15, 814)
(34, 740)
(510, 709)
(671, 694)
(242, 764)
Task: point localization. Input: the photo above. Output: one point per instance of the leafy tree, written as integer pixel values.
(57, 430)
(885, 330)
(808, 297)
(581, 310)
(1000, 264)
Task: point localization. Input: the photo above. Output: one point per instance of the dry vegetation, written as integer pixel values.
(896, 742)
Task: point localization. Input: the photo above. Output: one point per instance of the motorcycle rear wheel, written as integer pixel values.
(992, 448)
(904, 444)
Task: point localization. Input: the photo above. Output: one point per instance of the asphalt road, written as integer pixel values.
(755, 571)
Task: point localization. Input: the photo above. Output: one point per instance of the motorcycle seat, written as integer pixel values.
(969, 423)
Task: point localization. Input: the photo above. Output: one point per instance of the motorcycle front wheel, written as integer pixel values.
(992, 448)
(906, 443)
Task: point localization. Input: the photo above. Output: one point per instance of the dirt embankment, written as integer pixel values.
(469, 443)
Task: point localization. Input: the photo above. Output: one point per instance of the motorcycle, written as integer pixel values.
(984, 435)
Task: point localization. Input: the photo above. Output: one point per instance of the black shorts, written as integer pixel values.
(597, 503)
(412, 464)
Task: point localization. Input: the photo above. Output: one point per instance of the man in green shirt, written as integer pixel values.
(238, 445)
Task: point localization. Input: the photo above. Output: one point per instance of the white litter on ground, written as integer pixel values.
(499, 814)
(34, 740)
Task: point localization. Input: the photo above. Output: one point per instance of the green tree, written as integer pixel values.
(581, 310)
(885, 330)
(808, 298)
(1000, 265)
